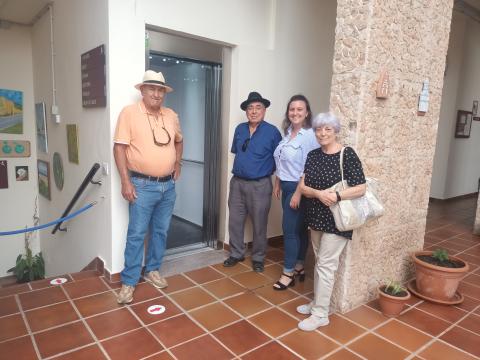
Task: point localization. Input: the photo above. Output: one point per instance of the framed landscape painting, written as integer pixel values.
(40, 118)
(11, 111)
(44, 178)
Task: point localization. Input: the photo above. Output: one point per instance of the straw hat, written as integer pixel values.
(154, 78)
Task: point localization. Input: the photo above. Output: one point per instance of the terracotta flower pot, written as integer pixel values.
(437, 282)
(389, 304)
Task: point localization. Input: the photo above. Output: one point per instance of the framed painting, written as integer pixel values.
(21, 173)
(44, 178)
(72, 142)
(3, 174)
(40, 118)
(11, 111)
(464, 124)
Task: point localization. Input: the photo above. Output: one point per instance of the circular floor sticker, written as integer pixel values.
(156, 309)
(58, 281)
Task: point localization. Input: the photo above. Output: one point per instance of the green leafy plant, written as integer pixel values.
(394, 288)
(440, 254)
(29, 267)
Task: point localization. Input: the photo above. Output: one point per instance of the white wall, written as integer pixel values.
(278, 48)
(79, 26)
(456, 167)
(17, 202)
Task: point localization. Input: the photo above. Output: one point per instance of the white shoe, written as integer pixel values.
(312, 323)
(125, 296)
(156, 279)
(304, 309)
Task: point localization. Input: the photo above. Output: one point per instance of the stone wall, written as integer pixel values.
(409, 39)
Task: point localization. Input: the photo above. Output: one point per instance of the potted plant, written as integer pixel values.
(392, 298)
(29, 267)
(438, 275)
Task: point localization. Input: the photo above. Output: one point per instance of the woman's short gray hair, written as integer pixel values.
(326, 119)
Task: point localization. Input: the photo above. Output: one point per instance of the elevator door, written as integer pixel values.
(196, 100)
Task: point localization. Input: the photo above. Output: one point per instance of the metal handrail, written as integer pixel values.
(81, 188)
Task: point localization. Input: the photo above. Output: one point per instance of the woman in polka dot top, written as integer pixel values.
(322, 171)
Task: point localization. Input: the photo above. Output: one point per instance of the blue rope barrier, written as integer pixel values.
(68, 217)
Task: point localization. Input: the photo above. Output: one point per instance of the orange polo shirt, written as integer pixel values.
(134, 128)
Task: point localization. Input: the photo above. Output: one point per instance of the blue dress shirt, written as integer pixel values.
(254, 154)
(291, 154)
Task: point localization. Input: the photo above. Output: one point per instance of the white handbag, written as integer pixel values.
(351, 214)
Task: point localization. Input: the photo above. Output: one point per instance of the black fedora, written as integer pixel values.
(254, 97)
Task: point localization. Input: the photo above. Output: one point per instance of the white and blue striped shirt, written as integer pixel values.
(291, 154)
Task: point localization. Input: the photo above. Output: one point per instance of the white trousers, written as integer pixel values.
(327, 248)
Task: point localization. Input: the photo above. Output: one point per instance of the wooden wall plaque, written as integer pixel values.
(94, 88)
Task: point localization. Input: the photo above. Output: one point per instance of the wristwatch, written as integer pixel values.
(338, 196)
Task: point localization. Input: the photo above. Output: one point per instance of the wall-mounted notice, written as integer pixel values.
(94, 91)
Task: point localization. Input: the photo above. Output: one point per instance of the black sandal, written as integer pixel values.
(301, 274)
(279, 286)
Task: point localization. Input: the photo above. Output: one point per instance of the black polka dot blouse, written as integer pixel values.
(322, 171)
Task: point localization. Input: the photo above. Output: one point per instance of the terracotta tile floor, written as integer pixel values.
(232, 313)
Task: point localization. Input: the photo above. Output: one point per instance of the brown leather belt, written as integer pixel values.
(151, 178)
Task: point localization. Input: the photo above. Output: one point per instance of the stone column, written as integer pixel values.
(409, 39)
(476, 225)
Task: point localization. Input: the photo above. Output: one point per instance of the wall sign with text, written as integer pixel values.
(94, 89)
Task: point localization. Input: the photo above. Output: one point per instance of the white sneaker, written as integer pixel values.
(312, 323)
(304, 309)
(125, 296)
(156, 279)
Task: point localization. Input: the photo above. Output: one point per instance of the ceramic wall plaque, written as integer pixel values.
(58, 170)
(14, 148)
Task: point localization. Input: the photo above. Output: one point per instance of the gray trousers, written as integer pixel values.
(249, 198)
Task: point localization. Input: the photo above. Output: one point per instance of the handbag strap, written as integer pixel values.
(341, 165)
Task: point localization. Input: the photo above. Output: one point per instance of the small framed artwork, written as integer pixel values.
(3, 174)
(464, 124)
(40, 118)
(44, 178)
(475, 108)
(72, 142)
(21, 173)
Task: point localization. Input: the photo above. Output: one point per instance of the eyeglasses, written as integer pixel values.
(153, 132)
(245, 144)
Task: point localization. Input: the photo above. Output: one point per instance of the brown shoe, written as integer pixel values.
(125, 296)
(156, 279)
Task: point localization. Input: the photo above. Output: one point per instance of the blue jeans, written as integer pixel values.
(151, 210)
(295, 235)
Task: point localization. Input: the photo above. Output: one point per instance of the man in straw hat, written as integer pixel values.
(251, 185)
(148, 151)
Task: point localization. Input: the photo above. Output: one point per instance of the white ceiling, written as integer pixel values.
(24, 11)
(21, 11)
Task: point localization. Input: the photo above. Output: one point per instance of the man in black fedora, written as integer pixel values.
(251, 187)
